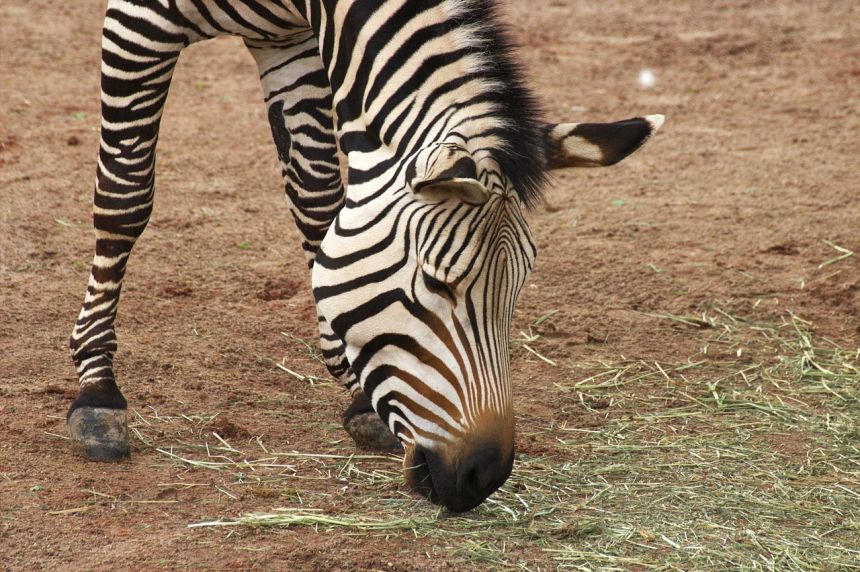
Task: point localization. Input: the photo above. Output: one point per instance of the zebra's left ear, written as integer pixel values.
(597, 144)
(447, 172)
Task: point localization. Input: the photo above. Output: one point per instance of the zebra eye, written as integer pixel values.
(437, 286)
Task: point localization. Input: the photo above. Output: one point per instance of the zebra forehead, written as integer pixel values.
(478, 232)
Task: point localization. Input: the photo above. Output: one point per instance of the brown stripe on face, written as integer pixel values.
(427, 392)
(474, 397)
(426, 357)
(419, 410)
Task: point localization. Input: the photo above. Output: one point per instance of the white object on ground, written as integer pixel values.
(646, 78)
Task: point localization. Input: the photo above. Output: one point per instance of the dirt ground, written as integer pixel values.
(733, 203)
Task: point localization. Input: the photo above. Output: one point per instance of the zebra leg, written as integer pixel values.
(299, 102)
(137, 64)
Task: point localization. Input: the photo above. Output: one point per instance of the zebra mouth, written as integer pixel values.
(458, 487)
(418, 477)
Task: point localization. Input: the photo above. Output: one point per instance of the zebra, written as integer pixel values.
(416, 262)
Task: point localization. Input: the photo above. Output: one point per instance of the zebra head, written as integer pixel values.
(419, 276)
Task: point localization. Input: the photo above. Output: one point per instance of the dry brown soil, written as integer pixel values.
(730, 204)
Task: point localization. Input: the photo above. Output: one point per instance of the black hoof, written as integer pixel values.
(366, 427)
(100, 433)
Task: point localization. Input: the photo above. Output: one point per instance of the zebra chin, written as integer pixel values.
(462, 474)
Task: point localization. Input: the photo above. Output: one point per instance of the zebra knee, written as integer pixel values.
(122, 202)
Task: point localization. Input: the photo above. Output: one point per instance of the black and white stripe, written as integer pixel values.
(417, 267)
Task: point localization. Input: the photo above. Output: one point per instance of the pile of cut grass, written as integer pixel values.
(750, 463)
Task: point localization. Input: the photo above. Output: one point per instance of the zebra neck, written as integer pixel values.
(404, 74)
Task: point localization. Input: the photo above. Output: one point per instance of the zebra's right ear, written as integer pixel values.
(447, 172)
(597, 144)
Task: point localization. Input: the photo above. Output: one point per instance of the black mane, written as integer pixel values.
(522, 155)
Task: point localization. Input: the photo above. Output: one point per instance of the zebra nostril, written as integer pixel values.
(481, 473)
(472, 479)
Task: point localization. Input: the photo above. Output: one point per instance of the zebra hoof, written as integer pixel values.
(366, 427)
(369, 432)
(100, 433)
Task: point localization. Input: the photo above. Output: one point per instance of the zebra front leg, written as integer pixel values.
(360, 420)
(299, 102)
(137, 65)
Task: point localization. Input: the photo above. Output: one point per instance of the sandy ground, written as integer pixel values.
(731, 204)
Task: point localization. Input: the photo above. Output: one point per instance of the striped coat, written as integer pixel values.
(417, 265)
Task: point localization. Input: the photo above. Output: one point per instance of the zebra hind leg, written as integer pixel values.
(298, 98)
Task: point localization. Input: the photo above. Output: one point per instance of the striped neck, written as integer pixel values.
(409, 73)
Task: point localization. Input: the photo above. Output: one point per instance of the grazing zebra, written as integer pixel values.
(416, 268)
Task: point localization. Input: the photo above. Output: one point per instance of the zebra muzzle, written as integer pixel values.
(459, 482)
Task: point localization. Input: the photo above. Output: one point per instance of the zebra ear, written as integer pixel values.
(597, 144)
(449, 173)
(470, 191)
